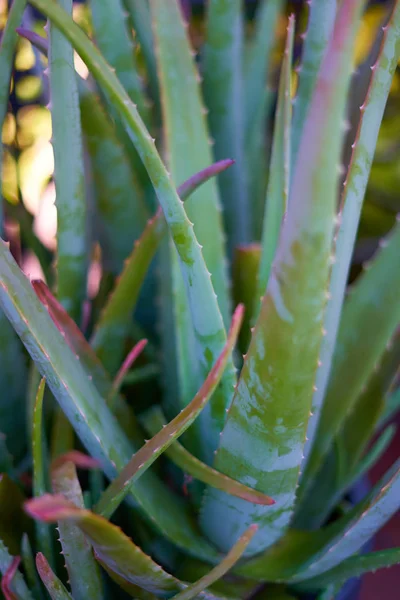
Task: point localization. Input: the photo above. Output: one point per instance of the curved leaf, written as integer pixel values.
(18, 584)
(53, 585)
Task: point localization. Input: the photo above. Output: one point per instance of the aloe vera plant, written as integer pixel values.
(214, 454)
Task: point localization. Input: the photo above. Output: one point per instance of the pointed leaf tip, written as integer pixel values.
(79, 459)
(8, 579)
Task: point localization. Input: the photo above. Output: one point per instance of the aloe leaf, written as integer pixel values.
(31, 574)
(372, 304)
(154, 421)
(72, 234)
(112, 548)
(220, 570)
(258, 61)
(320, 27)
(8, 45)
(50, 580)
(351, 202)
(152, 449)
(113, 322)
(392, 405)
(113, 39)
(245, 268)
(360, 525)
(18, 585)
(223, 93)
(277, 379)
(140, 15)
(83, 572)
(86, 409)
(355, 566)
(126, 365)
(197, 278)
(279, 170)
(12, 521)
(43, 532)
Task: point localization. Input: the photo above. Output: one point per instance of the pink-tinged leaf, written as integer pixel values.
(126, 365)
(53, 585)
(79, 459)
(148, 453)
(8, 579)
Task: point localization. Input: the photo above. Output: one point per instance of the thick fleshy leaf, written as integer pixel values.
(152, 449)
(352, 201)
(7, 48)
(321, 20)
(279, 171)
(12, 521)
(392, 405)
(114, 320)
(18, 585)
(83, 573)
(87, 410)
(154, 421)
(188, 150)
(370, 317)
(355, 566)
(263, 439)
(220, 570)
(198, 283)
(72, 233)
(53, 585)
(245, 268)
(30, 571)
(223, 93)
(43, 531)
(113, 549)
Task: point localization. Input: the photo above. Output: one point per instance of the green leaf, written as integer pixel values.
(263, 439)
(12, 519)
(392, 405)
(320, 27)
(18, 585)
(72, 234)
(83, 572)
(152, 449)
(355, 566)
(29, 566)
(197, 278)
(8, 45)
(279, 171)
(188, 151)
(370, 317)
(351, 205)
(113, 549)
(220, 570)
(245, 267)
(43, 532)
(111, 328)
(115, 43)
(154, 421)
(53, 585)
(223, 93)
(86, 409)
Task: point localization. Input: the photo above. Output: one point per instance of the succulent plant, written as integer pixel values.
(266, 371)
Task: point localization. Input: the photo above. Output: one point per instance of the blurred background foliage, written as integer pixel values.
(28, 186)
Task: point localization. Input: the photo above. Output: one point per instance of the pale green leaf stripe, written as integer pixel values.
(83, 571)
(115, 43)
(352, 201)
(370, 317)
(355, 566)
(53, 585)
(223, 93)
(141, 20)
(7, 49)
(263, 439)
(207, 326)
(383, 502)
(72, 242)
(18, 585)
(188, 151)
(320, 26)
(220, 570)
(86, 409)
(257, 61)
(279, 171)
